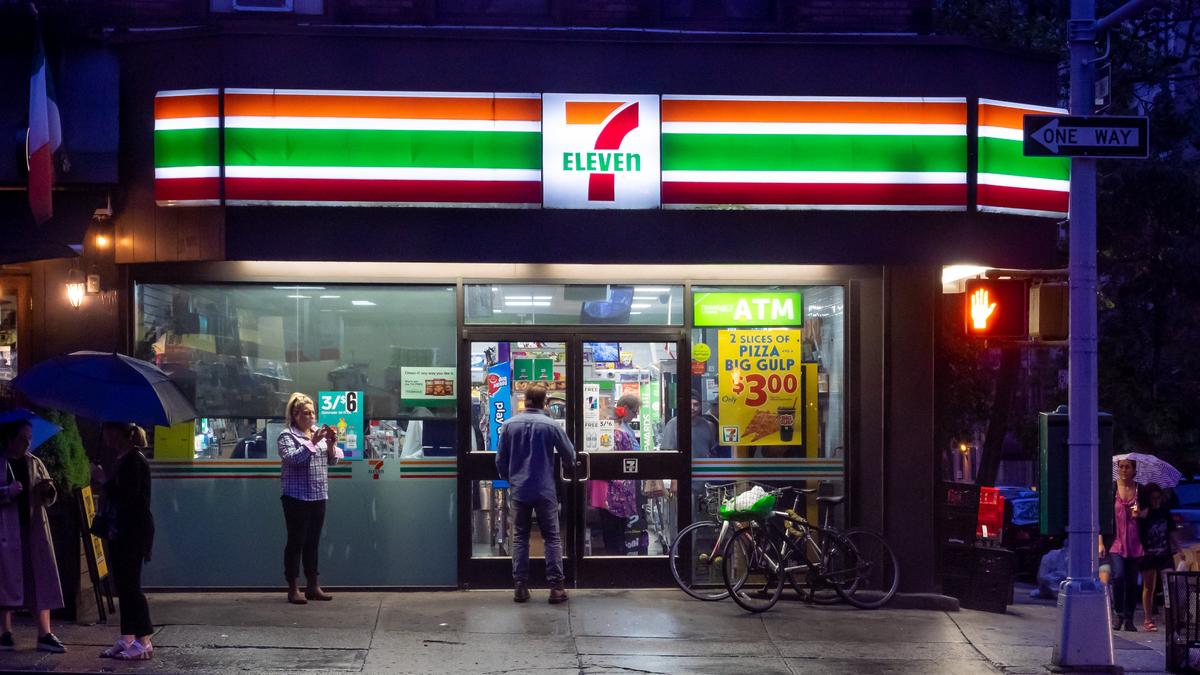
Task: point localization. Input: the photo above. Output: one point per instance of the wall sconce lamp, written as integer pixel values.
(75, 287)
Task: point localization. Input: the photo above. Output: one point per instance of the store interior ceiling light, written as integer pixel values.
(298, 288)
(300, 297)
(651, 289)
(641, 305)
(330, 297)
(517, 297)
(362, 303)
(527, 303)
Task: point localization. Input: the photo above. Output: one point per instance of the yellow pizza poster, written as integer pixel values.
(760, 383)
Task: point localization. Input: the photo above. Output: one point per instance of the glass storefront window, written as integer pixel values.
(574, 305)
(822, 330)
(9, 296)
(239, 350)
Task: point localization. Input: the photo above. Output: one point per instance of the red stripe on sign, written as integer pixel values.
(1024, 198)
(413, 191)
(179, 189)
(815, 193)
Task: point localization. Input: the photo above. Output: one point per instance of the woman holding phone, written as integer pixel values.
(305, 454)
(1125, 551)
(28, 573)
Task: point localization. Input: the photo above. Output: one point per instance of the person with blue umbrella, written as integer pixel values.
(28, 570)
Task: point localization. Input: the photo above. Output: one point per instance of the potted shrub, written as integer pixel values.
(65, 459)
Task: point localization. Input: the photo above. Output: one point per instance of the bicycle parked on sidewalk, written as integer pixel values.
(776, 545)
(695, 555)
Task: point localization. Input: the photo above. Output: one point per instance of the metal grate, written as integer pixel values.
(1182, 608)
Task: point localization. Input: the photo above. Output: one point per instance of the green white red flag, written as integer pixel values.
(45, 133)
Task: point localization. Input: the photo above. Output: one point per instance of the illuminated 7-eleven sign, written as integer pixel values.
(600, 151)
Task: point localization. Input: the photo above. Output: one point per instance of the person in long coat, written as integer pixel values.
(28, 571)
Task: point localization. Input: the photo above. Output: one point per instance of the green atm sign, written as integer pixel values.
(768, 308)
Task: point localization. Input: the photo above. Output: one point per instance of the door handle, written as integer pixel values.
(588, 463)
(563, 474)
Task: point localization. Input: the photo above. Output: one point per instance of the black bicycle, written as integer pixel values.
(777, 546)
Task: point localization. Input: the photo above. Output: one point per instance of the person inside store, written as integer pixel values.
(1125, 552)
(128, 524)
(704, 432)
(28, 572)
(305, 454)
(615, 501)
(525, 458)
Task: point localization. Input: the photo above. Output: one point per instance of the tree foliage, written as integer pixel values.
(64, 455)
(1148, 210)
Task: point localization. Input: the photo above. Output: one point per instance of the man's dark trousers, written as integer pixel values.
(547, 517)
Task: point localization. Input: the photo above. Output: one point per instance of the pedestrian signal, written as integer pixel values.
(997, 308)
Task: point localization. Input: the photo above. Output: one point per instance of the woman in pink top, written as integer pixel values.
(1126, 549)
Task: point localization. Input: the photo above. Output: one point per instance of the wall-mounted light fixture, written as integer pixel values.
(75, 287)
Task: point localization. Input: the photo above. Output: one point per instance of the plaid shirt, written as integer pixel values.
(304, 467)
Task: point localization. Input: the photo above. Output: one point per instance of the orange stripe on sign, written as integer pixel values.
(1002, 116)
(590, 112)
(176, 107)
(878, 112)
(384, 107)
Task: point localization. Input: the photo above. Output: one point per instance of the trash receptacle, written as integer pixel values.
(1181, 600)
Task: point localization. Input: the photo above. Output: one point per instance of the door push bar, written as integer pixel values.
(586, 460)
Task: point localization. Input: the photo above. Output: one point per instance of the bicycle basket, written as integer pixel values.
(750, 505)
(714, 498)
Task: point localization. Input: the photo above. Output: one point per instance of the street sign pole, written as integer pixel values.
(1085, 640)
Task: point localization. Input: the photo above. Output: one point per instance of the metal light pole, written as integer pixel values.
(1085, 639)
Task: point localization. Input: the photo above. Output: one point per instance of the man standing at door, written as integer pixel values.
(525, 459)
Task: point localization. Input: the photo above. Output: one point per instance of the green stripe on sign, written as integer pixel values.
(186, 147)
(374, 148)
(1000, 155)
(783, 152)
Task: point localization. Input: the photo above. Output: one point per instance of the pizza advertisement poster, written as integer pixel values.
(760, 382)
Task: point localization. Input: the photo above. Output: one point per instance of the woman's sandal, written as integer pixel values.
(1149, 626)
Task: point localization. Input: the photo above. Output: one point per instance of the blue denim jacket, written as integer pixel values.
(526, 455)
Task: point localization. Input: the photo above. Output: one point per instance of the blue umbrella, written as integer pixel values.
(106, 387)
(42, 429)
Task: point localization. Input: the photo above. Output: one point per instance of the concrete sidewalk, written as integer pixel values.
(627, 631)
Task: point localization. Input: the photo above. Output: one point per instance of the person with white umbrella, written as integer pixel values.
(1126, 548)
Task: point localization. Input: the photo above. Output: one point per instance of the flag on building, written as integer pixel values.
(45, 133)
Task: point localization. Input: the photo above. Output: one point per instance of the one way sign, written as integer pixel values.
(1083, 136)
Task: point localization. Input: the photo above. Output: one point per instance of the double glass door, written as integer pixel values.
(617, 396)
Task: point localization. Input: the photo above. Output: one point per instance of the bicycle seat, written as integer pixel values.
(832, 501)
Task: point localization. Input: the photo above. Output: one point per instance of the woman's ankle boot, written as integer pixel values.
(294, 595)
(314, 592)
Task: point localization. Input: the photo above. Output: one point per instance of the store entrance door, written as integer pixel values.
(617, 396)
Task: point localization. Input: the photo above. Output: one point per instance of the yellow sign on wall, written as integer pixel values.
(760, 382)
(761, 387)
(175, 442)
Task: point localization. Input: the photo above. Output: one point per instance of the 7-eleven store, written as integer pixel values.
(465, 217)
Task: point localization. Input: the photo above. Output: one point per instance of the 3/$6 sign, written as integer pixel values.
(600, 151)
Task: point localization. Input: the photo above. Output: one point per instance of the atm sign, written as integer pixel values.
(997, 308)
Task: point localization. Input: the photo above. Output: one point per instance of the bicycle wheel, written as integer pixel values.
(808, 584)
(695, 558)
(862, 568)
(749, 568)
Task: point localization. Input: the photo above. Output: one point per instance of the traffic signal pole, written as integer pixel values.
(1085, 638)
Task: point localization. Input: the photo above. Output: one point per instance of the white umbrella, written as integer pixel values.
(1150, 469)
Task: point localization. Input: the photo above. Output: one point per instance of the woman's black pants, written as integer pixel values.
(127, 576)
(304, 523)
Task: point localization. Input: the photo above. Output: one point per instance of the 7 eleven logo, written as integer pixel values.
(600, 151)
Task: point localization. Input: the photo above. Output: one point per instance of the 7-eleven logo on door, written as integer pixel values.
(600, 151)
